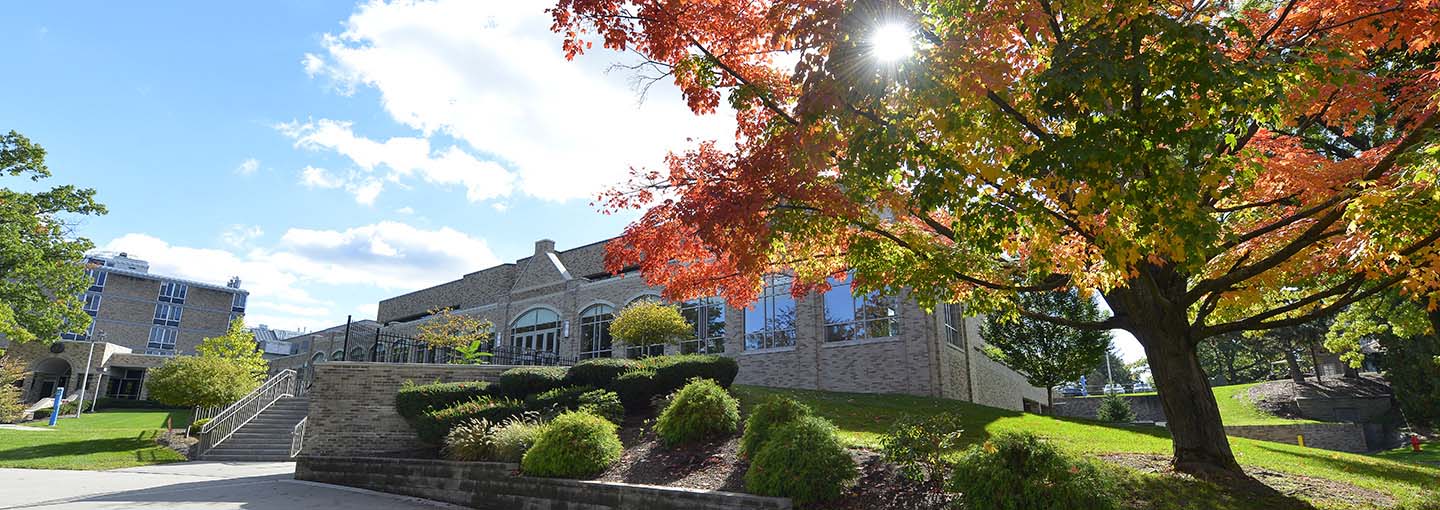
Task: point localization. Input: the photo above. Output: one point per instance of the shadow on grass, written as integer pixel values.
(141, 441)
(1397, 472)
(1171, 492)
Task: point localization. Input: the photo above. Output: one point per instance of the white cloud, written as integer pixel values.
(405, 210)
(285, 278)
(367, 311)
(504, 87)
(248, 167)
(365, 188)
(241, 235)
(500, 207)
(402, 158)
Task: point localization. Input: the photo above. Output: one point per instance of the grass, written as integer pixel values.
(104, 440)
(863, 418)
(1236, 408)
(1429, 454)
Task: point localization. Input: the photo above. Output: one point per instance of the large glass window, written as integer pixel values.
(595, 341)
(535, 330)
(98, 276)
(854, 316)
(707, 317)
(92, 304)
(173, 292)
(954, 316)
(771, 321)
(162, 341)
(237, 303)
(167, 315)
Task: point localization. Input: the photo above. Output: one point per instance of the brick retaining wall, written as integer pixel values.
(490, 485)
(352, 405)
(1343, 437)
(1146, 407)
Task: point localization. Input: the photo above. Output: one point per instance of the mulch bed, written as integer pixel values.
(715, 465)
(177, 440)
(1280, 490)
(881, 487)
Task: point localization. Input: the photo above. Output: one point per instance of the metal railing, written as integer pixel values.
(224, 424)
(392, 348)
(297, 437)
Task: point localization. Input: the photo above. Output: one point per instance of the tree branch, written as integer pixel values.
(1019, 117)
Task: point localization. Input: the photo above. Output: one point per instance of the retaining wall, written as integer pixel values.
(491, 485)
(1147, 407)
(1343, 437)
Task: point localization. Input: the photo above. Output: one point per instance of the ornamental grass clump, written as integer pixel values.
(483, 440)
(574, 445)
(699, 411)
(765, 418)
(803, 461)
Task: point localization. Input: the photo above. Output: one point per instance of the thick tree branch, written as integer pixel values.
(1252, 205)
(1105, 325)
(1019, 117)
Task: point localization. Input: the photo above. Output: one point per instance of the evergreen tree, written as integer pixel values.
(1047, 353)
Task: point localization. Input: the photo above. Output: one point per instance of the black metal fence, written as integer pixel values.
(393, 348)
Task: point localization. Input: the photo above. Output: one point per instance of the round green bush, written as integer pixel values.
(574, 445)
(674, 372)
(557, 400)
(1115, 408)
(1021, 471)
(765, 418)
(414, 399)
(635, 388)
(197, 425)
(522, 382)
(598, 372)
(700, 410)
(804, 461)
(604, 403)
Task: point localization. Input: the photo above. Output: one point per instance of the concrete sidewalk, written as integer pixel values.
(199, 485)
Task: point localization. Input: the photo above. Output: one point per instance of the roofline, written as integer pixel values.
(192, 283)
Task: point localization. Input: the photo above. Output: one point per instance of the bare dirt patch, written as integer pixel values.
(882, 487)
(1279, 491)
(713, 465)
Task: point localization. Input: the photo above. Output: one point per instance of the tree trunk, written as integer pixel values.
(1150, 308)
(1293, 363)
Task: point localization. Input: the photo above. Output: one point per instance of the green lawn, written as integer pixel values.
(1429, 454)
(1235, 406)
(862, 418)
(104, 440)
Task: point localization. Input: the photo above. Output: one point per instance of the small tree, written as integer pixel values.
(236, 345)
(647, 323)
(468, 335)
(1115, 408)
(11, 372)
(200, 381)
(1047, 353)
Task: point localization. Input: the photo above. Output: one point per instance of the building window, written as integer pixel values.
(535, 330)
(173, 292)
(595, 341)
(97, 275)
(81, 336)
(770, 322)
(162, 341)
(237, 302)
(92, 304)
(126, 383)
(954, 316)
(856, 316)
(707, 316)
(167, 315)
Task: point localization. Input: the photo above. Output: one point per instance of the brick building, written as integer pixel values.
(139, 320)
(561, 302)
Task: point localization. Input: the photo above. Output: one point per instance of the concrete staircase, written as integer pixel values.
(266, 438)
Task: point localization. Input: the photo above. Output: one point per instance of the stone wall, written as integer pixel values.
(487, 485)
(352, 405)
(1343, 437)
(1146, 407)
(1346, 409)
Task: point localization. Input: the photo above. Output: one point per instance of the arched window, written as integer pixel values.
(595, 339)
(319, 357)
(380, 352)
(535, 330)
(337, 356)
(357, 354)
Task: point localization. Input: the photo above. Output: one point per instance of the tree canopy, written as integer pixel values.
(198, 381)
(1208, 167)
(645, 323)
(41, 272)
(1048, 353)
(236, 345)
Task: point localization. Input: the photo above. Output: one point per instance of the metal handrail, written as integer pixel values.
(223, 425)
(297, 437)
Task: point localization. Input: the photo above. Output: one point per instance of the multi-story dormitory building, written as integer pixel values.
(563, 301)
(139, 320)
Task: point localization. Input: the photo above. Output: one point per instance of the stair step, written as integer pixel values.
(249, 458)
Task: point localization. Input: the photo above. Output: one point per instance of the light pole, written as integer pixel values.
(85, 385)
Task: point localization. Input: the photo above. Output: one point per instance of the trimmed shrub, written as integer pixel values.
(1021, 471)
(804, 461)
(919, 446)
(636, 387)
(197, 425)
(413, 399)
(433, 426)
(514, 437)
(598, 372)
(557, 400)
(700, 410)
(1115, 408)
(603, 403)
(522, 382)
(66, 409)
(674, 372)
(765, 418)
(574, 445)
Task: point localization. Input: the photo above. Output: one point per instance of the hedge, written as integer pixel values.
(431, 427)
(598, 372)
(557, 400)
(413, 400)
(522, 382)
(674, 372)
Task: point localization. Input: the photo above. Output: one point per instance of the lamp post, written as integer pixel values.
(85, 385)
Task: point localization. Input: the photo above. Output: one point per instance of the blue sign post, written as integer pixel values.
(55, 413)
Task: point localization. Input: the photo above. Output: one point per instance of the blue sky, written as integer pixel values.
(330, 153)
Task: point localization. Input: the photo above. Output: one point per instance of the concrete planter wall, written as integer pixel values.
(490, 485)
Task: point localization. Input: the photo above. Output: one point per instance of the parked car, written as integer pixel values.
(1070, 390)
(1142, 387)
(1114, 389)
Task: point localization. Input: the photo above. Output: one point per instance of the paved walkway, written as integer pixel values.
(198, 485)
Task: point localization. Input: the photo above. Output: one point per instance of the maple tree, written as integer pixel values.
(1207, 167)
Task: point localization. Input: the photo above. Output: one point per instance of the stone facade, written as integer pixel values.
(124, 298)
(921, 359)
(110, 365)
(352, 404)
(495, 486)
